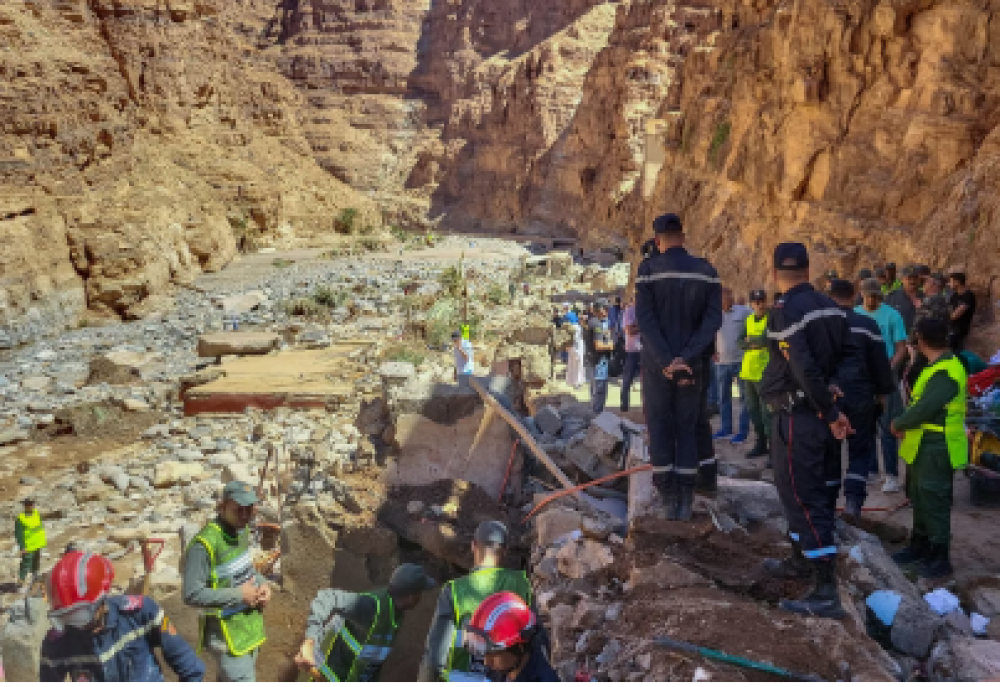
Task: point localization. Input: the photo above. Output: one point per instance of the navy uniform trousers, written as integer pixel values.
(672, 409)
(807, 472)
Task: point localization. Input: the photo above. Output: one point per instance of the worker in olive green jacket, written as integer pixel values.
(445, 656)
(219, 578)
(349, 636)
(30, 535)
(934, 445)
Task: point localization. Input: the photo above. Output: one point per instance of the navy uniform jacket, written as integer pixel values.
(678, 307)
(123, 650)
(806, 333)
(864, 371)
(538, 668)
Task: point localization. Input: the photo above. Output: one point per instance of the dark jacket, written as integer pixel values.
(806, 334)
(678, 307)
(864, 370)
(123, 650)
(538, 668)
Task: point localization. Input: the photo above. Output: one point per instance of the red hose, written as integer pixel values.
(565, 492)
(510, 462)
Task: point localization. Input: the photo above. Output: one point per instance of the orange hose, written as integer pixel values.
(565, 492)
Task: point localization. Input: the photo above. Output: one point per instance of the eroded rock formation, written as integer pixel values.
(139, 133)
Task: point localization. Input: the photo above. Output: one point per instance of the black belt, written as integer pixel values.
(787, 402)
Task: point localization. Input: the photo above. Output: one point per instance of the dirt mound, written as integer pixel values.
(105, 421)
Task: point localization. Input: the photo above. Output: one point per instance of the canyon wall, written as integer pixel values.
(141, 138)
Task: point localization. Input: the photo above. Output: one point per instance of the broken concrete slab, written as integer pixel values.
(554, 523)
(22, 641)
(549, 420)
(604, 433)
(237, 343)
(582, 557)
(666, 574)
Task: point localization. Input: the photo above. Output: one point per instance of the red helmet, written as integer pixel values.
(502, 621)
(77, 585)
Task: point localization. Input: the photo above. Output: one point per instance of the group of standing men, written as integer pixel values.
(819, 367)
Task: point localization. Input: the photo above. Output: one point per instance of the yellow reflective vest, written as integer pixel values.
(954, 423)
(34, 532)
(754, 361)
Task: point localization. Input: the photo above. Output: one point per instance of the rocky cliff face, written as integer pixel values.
(139, 139)
(139, 133)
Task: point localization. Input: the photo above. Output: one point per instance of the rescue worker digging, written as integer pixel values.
(220, 579)
(445, 657)
(102, 638)
(349, 636)
(934, 445)
(806, 335)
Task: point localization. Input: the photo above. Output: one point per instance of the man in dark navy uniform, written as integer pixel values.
(806, 336)
(679, 310)
(864, 378)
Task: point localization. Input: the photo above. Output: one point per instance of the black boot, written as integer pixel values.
(795, 567)
(916, 551)
(670, 499)
(852, 508)
(759, 449)
(708, 477)
(713, 409)
(824, 599)
(937, 564)
(685, 503)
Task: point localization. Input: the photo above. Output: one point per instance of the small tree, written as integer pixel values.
(344, 224)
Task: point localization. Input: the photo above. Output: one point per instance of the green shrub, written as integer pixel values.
(495, 294)
(329, 297)
(720, 139)
(307, 308)
(452, 282)
(405, 353)
(345, 222)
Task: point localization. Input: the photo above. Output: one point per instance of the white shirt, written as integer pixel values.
(464, 367)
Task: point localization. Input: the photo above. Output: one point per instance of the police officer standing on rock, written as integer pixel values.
(806, 336)
(679, 311)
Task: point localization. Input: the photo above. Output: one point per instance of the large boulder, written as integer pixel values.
(237, 343)
(749, 501)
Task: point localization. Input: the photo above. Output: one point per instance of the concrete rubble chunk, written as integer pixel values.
(237, 343)
(577, 559)
(915, 628)
(749, 501)
(22, 640)
(604, 433)
(172, 472)
(588, 614)
(548, 420)
(554, 523)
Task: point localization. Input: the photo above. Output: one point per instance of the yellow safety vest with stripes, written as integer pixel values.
(232, 566)
(954, 422)
(345, 659)
(466, 595)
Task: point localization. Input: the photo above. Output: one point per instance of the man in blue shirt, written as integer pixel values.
(893, 330)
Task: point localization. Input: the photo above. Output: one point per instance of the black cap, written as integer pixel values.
(492, 533)
(456, 335)
(669, 223)
(410, 579)
(865, 273)
(28, 499)
(923, 270)
(841, 288)
(909, 271)
(879, 273)
(791, 256)
(758, 295)
(890, 265)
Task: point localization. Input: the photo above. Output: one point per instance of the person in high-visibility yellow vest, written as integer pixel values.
(446, 658)
(934, 445)
(349, 636)
(219, 578)
(753, 341)
(30, 535)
